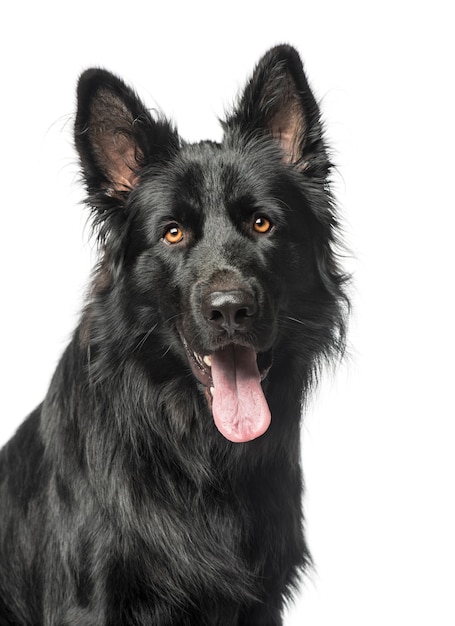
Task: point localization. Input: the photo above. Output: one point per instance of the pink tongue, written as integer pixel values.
(239, 407)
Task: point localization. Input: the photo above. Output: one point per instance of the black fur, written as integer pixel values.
(121, 502)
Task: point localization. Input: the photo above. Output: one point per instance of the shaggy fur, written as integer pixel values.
(150, 487)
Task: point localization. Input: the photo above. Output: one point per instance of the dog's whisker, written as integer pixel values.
(312, 325)
(143, 340)
(297, 321)
(166, 351)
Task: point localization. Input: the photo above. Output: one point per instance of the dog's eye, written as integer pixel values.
(173, 234)
(262, 225)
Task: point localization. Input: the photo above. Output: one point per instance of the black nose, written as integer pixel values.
(230, 311)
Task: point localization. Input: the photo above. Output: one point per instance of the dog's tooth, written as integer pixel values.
(212, 389)
(208, 360)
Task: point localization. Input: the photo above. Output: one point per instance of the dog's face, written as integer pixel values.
(211, 235)
(212, 243)
(211, 246)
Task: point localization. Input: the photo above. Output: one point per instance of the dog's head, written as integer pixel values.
(222, 251)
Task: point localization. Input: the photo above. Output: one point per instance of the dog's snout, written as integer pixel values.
(229, 311)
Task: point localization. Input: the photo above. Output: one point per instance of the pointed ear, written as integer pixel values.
(278, 102)
(115, 134)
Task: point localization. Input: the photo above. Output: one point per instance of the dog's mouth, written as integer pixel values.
(232, 376)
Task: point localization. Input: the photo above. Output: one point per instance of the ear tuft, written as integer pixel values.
(287, 124)
(112, 137)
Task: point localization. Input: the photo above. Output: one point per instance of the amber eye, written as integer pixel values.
(173, 234)
(262, 225)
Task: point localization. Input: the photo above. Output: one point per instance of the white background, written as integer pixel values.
(378, 440)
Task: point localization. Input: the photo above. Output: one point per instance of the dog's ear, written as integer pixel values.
(278, 101)
(115, 135)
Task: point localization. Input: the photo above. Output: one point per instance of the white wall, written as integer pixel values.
(379, 438)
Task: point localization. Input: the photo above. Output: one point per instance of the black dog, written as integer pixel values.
(159, 482)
